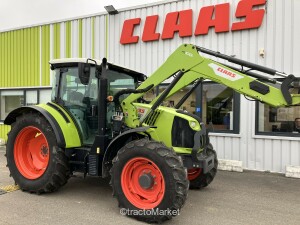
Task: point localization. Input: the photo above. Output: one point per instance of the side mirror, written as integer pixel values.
(84, 71)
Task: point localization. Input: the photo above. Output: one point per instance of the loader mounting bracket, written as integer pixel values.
(285, 88)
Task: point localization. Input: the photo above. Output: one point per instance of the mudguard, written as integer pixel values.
(112, 149)
(64, 128)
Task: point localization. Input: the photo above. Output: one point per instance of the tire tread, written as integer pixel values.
(62, 170)
(172, 161)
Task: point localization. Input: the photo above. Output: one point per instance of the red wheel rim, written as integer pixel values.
(31, 152)
(194, 173)
(140, 197)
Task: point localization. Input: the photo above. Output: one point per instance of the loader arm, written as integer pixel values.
(187, 63)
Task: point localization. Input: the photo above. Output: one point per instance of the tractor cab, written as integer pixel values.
(76, 88)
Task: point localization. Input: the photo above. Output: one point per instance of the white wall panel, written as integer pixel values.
(62, 40)
(267, 150)
(86, 38)
(285, 153)
(259, 156)
(274, 36)
(295, 37)
(278, 36)
(100, 46)
(74, 39)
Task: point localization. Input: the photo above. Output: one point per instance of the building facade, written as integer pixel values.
(142, 37)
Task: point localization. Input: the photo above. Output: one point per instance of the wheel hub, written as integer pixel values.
(31, 152)
(44, 151)
(143, 183)
(146, 181)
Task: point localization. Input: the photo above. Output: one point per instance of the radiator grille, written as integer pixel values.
(182, 134)
(152, 117)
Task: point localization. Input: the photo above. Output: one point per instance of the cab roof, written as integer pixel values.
(65, 62)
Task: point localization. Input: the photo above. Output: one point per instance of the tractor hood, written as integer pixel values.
(176, 128)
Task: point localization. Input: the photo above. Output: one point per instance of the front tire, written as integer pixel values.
(148, 176)
(35, 161)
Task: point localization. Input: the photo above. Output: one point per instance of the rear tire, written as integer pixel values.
(169, 186)
(197, 178)
(35, 161)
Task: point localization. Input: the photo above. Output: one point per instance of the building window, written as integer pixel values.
(150, 95)
(220, 108)
(45, 96)
(277, 121)
(31, 97)
(10, 100)
(217, 105)
(15, 98)
(189, 105)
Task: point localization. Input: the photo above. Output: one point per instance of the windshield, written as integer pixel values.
(119, 81)
(72, 91)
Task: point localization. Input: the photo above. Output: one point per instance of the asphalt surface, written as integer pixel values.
(233, 198)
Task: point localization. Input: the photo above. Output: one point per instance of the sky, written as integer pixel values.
(20, 13)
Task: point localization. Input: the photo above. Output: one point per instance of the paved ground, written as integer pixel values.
(233, 198)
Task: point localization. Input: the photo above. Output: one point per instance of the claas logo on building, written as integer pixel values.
(215, 16)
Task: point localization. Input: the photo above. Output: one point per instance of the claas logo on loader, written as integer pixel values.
(233, 75)
(181, 22)
(225, 73)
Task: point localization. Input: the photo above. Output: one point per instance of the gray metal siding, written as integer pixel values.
(279, 35)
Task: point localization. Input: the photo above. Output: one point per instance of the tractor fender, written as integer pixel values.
(63, 127)
(117, 143)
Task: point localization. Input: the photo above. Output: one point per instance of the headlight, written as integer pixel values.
(193, 124)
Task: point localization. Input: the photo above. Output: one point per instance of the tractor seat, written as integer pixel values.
(76, 98)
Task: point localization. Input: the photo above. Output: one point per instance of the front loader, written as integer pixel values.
(98, 123)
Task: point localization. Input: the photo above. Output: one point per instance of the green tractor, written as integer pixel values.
(98, 123)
